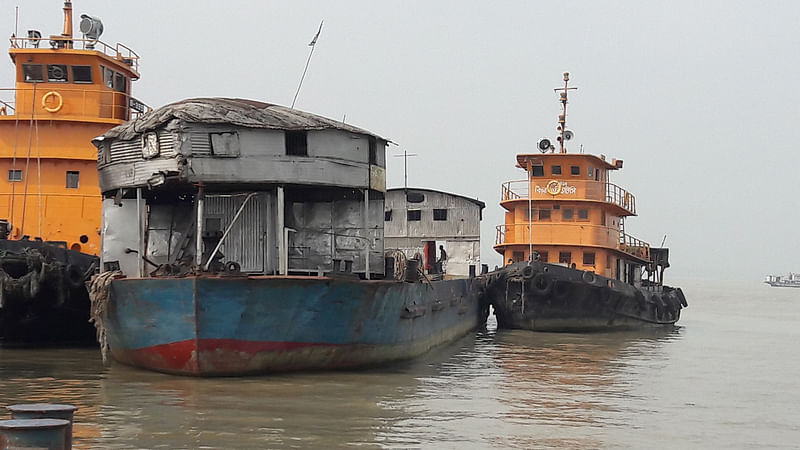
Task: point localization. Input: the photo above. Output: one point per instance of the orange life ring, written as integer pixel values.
(59, 102)
(553, 187)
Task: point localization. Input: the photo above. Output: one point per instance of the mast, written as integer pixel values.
(564, 134)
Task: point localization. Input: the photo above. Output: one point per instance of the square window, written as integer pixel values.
(81, 74)
(575, 170)
(583, 214)
(567, 214)
(555, 170)
(537, 171)
(224, 144)
(15, 175)
(108, 76)
(591, 172)
(564, 257)
(588, 258)
(439, 214)
(544, 214)
(518, 256)
(414, 215)
(120, 82)
(296, 143)
(387, 215)
(73, 179)
(543, 256)
(32, 73)
(57, 73)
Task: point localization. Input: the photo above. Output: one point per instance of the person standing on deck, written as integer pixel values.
(442, 258)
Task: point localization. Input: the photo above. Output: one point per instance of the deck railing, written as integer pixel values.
(118, 51)
(76, 102)
(633, 246)
(592, 190)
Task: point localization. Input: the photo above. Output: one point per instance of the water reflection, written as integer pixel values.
(491, 389)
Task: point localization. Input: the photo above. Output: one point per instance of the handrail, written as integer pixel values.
(633, 246)
(119, 51)
(608, 192)
(627, 243)
(91, 102)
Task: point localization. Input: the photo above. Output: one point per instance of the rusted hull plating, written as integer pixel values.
(212, 326)
(547, 297)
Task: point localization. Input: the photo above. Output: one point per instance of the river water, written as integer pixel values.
(727, 377)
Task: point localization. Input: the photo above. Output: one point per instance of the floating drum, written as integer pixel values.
(34, 433)
(46, 411)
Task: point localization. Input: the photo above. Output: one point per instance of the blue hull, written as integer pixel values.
(237, 326)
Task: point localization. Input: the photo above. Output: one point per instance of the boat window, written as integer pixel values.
(564, 257)
(120, 82)
(415, 197)
(591, 172)
(108, 76)
(213, 224)
(555, 170)
(414, 215)
(583, 214)
(597, 175)
(373, 151)
(439, 214)
(57, 73)
(574, 170)
(73, 179)
(81, 74)
(567, 214)
(224, 144)
(519, 256)
(32, 73)
(588, 258)
(537, 171)
(296, 143)
(387, 215)
(543, 256)
(15, 175)
(544, 214)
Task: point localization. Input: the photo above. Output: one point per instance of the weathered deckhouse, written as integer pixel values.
(237, 185)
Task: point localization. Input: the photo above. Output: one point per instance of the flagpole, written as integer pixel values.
(311, 44)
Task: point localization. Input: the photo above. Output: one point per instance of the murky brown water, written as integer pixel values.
(727, 378)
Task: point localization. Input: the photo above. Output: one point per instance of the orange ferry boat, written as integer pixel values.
(570, 265)
(67, 91)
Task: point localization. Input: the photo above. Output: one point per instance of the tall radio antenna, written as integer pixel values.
(565, 134)
(311, 44)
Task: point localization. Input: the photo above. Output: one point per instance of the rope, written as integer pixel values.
(99, 294)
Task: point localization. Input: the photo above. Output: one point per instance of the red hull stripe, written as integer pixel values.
(182, 356)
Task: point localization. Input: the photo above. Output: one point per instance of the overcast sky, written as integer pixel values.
(699, 98)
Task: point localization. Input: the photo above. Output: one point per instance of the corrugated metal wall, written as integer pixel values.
(249, 237)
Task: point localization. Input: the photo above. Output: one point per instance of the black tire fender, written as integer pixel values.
(541, 284)
(528, 272)
(588, 277)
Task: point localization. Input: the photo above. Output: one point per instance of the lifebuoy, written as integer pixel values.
(553, 187)
(58, 105)
(541, 284)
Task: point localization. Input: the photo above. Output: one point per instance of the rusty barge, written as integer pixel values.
(243, 237)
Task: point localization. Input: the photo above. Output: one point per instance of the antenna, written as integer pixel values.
(311, 44)
(405, 157)
(16, 21)
(562, 118)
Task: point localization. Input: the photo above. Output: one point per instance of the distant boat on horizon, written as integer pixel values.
(792, 280)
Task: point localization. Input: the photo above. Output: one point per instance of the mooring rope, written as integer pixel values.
(99, 294)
